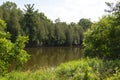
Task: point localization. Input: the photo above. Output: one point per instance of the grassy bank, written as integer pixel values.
(84, 69)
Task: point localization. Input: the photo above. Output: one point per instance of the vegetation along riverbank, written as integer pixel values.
(83, 69)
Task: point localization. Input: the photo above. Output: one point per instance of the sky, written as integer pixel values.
(67, 10)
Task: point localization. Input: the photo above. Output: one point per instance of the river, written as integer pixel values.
(46, 57)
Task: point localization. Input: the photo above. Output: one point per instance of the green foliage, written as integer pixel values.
(11, 52)
(59, 33)
(85, 23)
(30, 23)
(83, 69)
(40, 30)
(79, 70)
(37, 75)
(12, 16)
(20, 55)
(102, 39)
(43, 32)
(88, 69)
(114, 8)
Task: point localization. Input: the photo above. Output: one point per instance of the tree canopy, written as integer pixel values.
(103, 38)
(41, 30)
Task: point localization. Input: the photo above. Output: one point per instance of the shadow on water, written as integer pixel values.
(48, 57)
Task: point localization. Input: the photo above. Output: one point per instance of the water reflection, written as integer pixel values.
(51, 56)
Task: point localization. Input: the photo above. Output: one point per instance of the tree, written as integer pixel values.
(11, 52)
(85, 23)
(59, 36)
(31, 24)
(115, 10)
(48, 28)
(102, 39)
(40, 30)
(11, 15)
(57, 20)
(69, 36)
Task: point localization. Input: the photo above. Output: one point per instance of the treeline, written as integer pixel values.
(41, 30)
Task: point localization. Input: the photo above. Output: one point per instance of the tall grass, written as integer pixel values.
(88, 69)
(83, 69)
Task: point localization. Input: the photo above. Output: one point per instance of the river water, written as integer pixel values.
(46, 57)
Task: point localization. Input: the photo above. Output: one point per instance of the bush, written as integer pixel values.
(102, 39)
(88, 69)
(79, 70)
(11, 52)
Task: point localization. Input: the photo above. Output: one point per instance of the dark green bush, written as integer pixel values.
(103, 39)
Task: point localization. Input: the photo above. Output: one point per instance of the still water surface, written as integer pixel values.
(45, 57)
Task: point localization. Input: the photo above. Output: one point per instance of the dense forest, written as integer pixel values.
(41, 30)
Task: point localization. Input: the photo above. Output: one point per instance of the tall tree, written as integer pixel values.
(11, 14)
(48, 29)
(59, 33)
(69, 36)
(30, 23)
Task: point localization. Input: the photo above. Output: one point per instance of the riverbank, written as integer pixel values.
(83, 69)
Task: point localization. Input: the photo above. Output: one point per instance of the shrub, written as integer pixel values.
(11, 52)
(102, 39)
(88, 69)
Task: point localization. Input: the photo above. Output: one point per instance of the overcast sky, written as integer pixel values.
(67, 10)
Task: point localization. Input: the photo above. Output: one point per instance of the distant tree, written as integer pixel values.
(31, 24)
(85, 23)
(46, 27)
(11, 14)
(59, 36)
(57, 20)
(69, 36)
(1, 13)
(77, 32)
(50, 40)
(40, 30)
(37, 26)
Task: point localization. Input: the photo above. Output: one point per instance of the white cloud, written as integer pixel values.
(69, 10)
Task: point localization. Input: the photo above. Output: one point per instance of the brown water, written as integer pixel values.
(47, 57)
